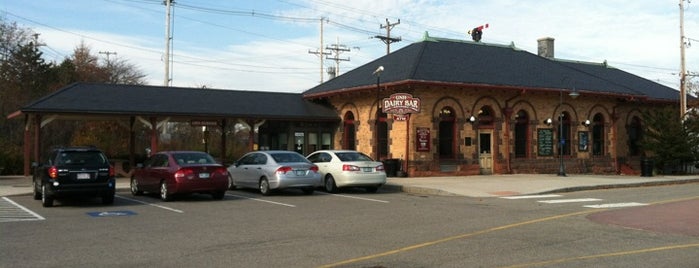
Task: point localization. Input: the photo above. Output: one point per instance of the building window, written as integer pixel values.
(598, 135)
(349, 141)
(446, 132)
(635, 133)
(486, 117)
(521, 134)
(326, 141)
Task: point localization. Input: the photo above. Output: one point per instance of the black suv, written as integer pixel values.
(71, 171)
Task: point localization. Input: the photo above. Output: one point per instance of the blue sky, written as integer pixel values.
(264, 45)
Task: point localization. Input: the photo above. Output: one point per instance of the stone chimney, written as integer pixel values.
(545, 47)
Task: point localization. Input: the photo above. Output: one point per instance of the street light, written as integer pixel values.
(378, 106)
(561, 140)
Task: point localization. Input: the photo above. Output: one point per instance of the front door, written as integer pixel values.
(485, 155)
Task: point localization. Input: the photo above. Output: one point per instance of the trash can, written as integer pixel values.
(647, 167)
(391, 167)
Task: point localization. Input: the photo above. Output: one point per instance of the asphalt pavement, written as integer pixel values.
(472, 186)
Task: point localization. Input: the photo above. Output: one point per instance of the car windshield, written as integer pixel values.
(288, 158)
(193, 158)
(353, 156)
(90, 158)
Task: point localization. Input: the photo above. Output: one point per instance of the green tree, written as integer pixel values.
(671, 142)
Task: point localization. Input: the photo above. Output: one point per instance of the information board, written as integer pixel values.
(545, 141)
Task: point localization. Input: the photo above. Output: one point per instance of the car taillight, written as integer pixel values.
(222, 170)
(379, 168)
(183, 173)
(283, 170)
(350, 168)
(112, 173)
(314, 168)
(53, 172)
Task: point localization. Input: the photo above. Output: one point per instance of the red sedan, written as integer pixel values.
(180, 172)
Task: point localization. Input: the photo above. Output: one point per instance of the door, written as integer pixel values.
(485, 155)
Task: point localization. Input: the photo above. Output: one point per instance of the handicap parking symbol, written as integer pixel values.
(117, 213)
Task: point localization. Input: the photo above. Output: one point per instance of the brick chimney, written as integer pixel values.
(545, 47)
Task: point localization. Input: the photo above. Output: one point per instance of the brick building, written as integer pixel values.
(452, 107)
(435, 107)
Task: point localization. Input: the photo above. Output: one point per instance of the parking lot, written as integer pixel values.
(350, 229)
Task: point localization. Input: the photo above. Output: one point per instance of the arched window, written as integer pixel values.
(447, 129)
(521, 134)
(564, 140)
(485, 116)
(381, 135)
(349, 137)
(598, 135)
(635, 132)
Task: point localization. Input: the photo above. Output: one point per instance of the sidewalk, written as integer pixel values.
(472, 186)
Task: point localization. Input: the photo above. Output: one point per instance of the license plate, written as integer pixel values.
(300, 173)
(83, 176)
(204, 175)
(367, 169)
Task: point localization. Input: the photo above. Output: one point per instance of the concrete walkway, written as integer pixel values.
(472, 186)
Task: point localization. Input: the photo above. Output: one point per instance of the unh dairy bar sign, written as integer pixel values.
(401, 104)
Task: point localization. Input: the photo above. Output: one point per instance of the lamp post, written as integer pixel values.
(378, 106)
(561, 139)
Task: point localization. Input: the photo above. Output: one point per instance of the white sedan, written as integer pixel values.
(347, 168)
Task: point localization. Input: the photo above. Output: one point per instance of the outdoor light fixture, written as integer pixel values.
(548, 121)
(586, 123)
(472, 119)
(378, 72)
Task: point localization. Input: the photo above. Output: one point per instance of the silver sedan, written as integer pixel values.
(347, 168)
(274, 170)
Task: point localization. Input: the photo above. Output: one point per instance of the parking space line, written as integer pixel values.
(360, 198)
(16, 215)
(150, 204)
(261, 200)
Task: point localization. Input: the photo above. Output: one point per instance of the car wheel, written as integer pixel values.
(46, 199)
(218, 195)
(36, 190)
(372, 189)
(308, 191)
(164, 195)
(330, 185)
(264, 187)
(108, 199)
(134, 187)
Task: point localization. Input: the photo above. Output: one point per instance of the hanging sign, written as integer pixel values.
(401, 103)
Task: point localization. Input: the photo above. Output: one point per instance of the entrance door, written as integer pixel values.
(485, 156)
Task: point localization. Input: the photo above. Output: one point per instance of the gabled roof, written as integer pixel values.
(478, 64)
(111, 99)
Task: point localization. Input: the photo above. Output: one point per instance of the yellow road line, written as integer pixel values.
(499, 228)
(612, 254)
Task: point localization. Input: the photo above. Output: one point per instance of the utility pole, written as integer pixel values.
(337, 49)
(108, 53)
(387, 39)
(168, 39)
(320, 51)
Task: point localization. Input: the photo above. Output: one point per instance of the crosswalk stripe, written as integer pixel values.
(531, 196)
(616, 205)
(557, 201)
